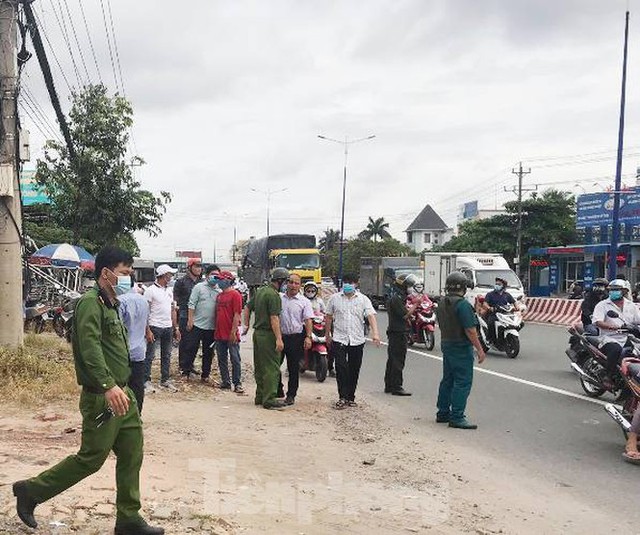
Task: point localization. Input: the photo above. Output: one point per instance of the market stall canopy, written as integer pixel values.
(63, 255)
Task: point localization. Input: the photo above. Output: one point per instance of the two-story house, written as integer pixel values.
(428, 229)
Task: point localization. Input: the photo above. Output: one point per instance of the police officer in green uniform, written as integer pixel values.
(267, 339)
(458, 334)
(110, 418)
(398, 314)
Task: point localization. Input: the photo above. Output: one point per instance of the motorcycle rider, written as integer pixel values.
(627, 314)
(597, 293)
(498, 297)
(398, 313)
(310, 291)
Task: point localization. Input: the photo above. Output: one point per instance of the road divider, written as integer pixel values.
(552, 310)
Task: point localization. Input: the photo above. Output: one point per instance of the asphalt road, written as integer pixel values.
(530, 410)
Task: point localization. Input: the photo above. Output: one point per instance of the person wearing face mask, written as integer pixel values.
(310, 291)
(162, 327)
(494, 299)
(110, 417)
(267, 339)
(134, 312)
(597, 293)
(201, 323)
(627, 313)
(346, 312)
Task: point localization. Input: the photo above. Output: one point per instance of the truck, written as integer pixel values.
(295, 252)
(378, 272)
(480, 268)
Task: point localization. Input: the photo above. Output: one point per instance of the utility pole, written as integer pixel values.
(520, 172)
(11, 325)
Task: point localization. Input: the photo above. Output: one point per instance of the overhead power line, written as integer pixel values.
(75, 37)
(106, 29)
(65, 36)
(93, 52)
(37, 22)
(115, 46)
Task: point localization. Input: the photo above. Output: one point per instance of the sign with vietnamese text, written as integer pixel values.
(595, 209)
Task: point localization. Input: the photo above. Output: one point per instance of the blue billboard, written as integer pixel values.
(595, 209)
(31, 192)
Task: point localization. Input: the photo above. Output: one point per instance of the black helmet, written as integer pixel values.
(456, 281)
(406, 281)
(600, 281)
(279, 273)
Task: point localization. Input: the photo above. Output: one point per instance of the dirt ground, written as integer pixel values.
(216, 464)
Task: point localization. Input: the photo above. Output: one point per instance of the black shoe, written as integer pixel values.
(387, 390)
(275, 405)
(225, 387)
(401, 392)
(442, 419)
(462, 424)
(25, 504)
(289, 400)
(137, 529)
(332, 373)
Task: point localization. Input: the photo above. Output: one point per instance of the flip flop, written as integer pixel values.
(633, 459)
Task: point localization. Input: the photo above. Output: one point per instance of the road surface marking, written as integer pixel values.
(517, 380)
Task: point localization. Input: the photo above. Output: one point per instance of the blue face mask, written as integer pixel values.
(224, 284)
(348, 288)
(123, 285)
(615, 295)
(213, 281)
(498, 287)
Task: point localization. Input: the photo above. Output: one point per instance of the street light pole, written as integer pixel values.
(346, 144)
(268, 193)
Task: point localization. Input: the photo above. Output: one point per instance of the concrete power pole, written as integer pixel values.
(11, 326)
(520, 172)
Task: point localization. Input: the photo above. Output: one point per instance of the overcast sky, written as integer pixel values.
(231, 95)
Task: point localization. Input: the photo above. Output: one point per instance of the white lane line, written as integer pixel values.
(518, 380)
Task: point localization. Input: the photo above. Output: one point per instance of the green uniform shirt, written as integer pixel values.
(99, 342)
(396, 312)
(464, 315)
(265, 303)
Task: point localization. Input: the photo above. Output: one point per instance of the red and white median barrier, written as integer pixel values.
(552, 310)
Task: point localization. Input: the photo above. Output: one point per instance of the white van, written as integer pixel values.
(480, 268)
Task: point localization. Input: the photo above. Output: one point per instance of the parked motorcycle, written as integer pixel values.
(315, 359)
(35, 317)
(423, 325)
(63, 316)
(623, 413)
(591, 363)
(506, 333)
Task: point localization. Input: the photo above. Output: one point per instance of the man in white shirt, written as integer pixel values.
(162, 327)
(346, 312)
(626, 313)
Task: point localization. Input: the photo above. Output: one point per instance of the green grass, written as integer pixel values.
(40, 372)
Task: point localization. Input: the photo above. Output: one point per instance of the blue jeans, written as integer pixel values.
(163, 336)
(224, 348)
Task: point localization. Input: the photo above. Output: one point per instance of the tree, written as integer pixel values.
(356, 248)
(547, 220)
(329, 240)
(96, 196)
(375, 229)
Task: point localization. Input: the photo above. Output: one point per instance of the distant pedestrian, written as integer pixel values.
(200, 323)
(162, 327)
(347, 311)
(398, 314)
(459, 336)
(267, 339)
(228, 318)
(134, 311)
(181, 293)
(296, 323)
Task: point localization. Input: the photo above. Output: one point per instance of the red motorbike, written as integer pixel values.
(423, 324)
(315, 359)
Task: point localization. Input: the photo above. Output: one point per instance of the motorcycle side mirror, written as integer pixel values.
(612, 314)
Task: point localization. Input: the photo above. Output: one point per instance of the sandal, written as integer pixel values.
(632, 457)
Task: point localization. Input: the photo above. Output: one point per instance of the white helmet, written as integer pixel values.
(617, 284)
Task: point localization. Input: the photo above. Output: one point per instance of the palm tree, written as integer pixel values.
(330, 239)
(376, 229)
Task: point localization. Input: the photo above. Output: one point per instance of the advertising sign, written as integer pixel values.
(31, 192)
(469, 210)
(595, 209)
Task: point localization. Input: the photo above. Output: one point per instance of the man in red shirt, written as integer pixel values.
(228, 311)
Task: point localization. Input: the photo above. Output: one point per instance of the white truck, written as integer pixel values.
(480, 268)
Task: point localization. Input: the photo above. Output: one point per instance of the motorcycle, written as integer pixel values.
(506, 334)
(623, 414)
(63, 316)
(35, 317)
(591, 363)
(423, 325)
(315, 359)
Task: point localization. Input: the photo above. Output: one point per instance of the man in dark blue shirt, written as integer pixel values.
(496, 298)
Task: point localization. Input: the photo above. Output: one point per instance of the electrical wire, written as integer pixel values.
(115, 46)
(93, 52)
(106, 29)
(75, 37)
(65, 36)
(53, 51)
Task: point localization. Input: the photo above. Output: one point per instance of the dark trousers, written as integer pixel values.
(196, 337)
(184, 340)
(294, 352)
(613, 352)
(348, 360)
(396, 356)
(136, 381)
(455, 386)
(164, 337)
